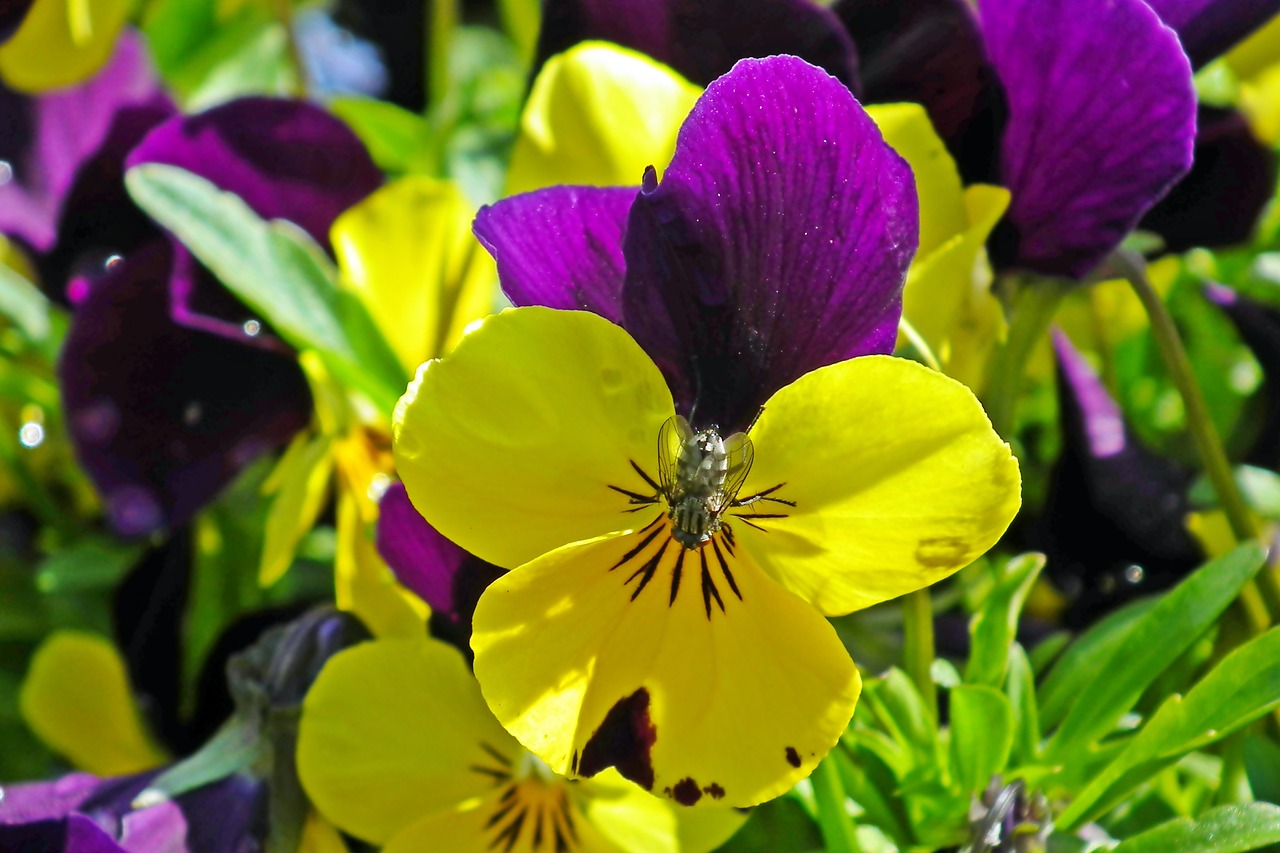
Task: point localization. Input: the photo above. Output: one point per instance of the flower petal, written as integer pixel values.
(524, 437)
(635, 820)
(1209, 28)
(54, 48)
(407, 250)
(75, 834)
(393, 731)
(598, 115)
(1086, 162)
(703, 40)
(76, 698)
(897, 477)
(11, 14)
(163, 416)
(776, 243)
(712, 684)
(560, 247)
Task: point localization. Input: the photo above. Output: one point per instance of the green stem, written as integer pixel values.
(838, 833)
(918, 653)
(442, 20)
(1034, 304)
(1204, 433)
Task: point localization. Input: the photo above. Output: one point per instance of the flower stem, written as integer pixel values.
(918, 652)
(1207, 441)
(838, 834)
(1033, 305)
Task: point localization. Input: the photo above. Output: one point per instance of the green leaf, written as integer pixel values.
(1242, 687)
(399, 141)
(278, 271)
(870, 783)
(900, 711)
(981, 735)
(1020, 687)
(1117, 681)
(1228, 829)
(22, 303)
(993, 627)
(1262, 766)
(833, 815)
(86, 566)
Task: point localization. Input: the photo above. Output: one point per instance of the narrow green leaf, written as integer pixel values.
(870, 783)
(1020, 687)
(1242, 687)
(993, 627)
(1262, 766)
(22, 303)
(901, 712)
(398, 140)
(1152, 644)
(1229, 829)
(837, 829)
(981, 735)
(87, 565)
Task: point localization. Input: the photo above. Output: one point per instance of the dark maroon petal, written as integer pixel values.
(1209, 28)
(286, 159)
(163, 416)
(1259, 328)
(442, 574)
(776, 243)
(702, 39)
(11, 14)
(1219, 201)
(1113, 505)
(930, 52)
(1101, 124)
(560, 247)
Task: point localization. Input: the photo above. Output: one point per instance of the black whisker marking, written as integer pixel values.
(635, 497)
(709, 586)
(497, 756)
(653, 485)
(750, 523)
(511, 833)
(762, 515)
(501, 775)
(675, 576)
(724, 569)
(647, 570)
(644, 543)
(502, 812)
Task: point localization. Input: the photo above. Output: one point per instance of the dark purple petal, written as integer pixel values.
(776, 243)
(1259, 328)
(1114, 522)
(1209, 28)
(930, 52)
(560, 247)
(1101, 124)
(75, 834)
(228, 815)
(286, 159)
(1219, 201)
(702, 39)
(443, 575)
(162, 416)
(11, 14)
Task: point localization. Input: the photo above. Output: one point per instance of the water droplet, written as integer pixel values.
(192, 414)
(252, 328)
(378, 486)
(6, 172)
(112, 262)
(1134, 574)
(31, 434)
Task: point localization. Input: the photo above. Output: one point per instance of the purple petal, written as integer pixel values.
(286, 159)
(1113, 505)
(75, 834)
(1209, 28)
(1259, 328)
(227, 815)
(162, 416)
(930, 52)
(1219, 201)
(35, 801)
(11, 14)
(443, 575)
(702, 39)
(1101, 124)
(560, 247)
(776, 243)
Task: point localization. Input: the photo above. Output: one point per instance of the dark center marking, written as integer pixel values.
(624, 740)
(793, 757)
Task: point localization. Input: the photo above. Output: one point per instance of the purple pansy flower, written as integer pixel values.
(1114, 523)
(1259, 328)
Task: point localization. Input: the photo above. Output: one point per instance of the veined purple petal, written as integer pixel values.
(11, 14)
(1101, 124)
(163, 416)
(702, 39)
(1209, 28)
(930, 52)
(1218, 203)
(286, 159)
(776, 243)
(560, 247)
(1259, 328)
(1113, 525)
(443, 575)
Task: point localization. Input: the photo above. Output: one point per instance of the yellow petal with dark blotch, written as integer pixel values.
(539, 429)
(690, 671)
(393, 731)
(60, 43)
(879, 477)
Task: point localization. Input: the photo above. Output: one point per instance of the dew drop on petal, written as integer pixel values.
(112, 262)
(193, 413)
(1134, 574)
(252, 328)
(378, 486)
(6, 172)
(31, 434)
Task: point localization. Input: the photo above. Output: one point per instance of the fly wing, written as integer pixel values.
(741, 454)
(674, 433)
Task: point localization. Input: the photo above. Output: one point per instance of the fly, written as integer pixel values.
(700, 473)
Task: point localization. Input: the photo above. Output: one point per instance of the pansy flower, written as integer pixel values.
(664, 615)
(396, 747)
(52, 44)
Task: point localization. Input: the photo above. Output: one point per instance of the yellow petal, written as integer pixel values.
(364, 584)
(509, 445)
(642, 823)
(897, 477)
(692, 672)
(1258, 53)
(60, 43)
(393, 731)
(300, 483)
(597, 115)
(320, 836)
(76, 699)
(409, 253)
